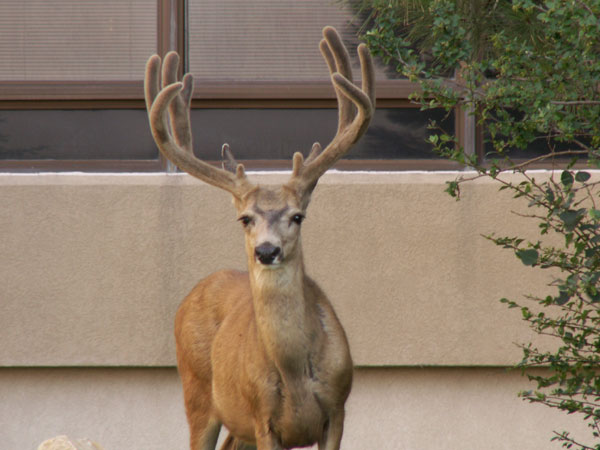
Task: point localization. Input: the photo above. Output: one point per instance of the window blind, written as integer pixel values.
(266, 40)
(57, 40)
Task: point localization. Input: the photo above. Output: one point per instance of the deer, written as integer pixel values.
(262, 352)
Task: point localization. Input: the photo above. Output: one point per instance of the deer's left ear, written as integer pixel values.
(302, 189)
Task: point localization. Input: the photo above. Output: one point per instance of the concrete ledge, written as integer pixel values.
(94, 266)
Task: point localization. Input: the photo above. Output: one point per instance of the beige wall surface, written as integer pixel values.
(388, 409)
(94, 266)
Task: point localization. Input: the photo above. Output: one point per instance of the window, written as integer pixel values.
(71, 86)
(72, 40)
(265, 40)
(71, 92)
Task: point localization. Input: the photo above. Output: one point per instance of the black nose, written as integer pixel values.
(266, 253)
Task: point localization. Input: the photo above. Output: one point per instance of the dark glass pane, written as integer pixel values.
(253, 134)
(76, 134)
(394, 133)
(538, 146)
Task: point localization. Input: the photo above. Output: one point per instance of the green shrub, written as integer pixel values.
(528, 72)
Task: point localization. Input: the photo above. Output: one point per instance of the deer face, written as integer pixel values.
(271, 217)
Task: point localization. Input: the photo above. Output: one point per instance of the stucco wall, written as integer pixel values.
(94, 266)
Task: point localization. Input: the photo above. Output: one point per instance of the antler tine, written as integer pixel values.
(175, 141)
(338, 61)
(367, 72)
(355, 106)
(151, 81)
(179, 108)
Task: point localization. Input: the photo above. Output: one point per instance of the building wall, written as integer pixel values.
(94, 266)
(389, 409)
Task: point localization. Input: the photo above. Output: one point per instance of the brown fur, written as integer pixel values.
(263, 352)
(232, 443)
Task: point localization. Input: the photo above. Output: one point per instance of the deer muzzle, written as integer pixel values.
(268, 254)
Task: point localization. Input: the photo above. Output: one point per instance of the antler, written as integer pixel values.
(355, 109)
(175, 141)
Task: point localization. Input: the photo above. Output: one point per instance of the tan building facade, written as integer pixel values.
(94, 266)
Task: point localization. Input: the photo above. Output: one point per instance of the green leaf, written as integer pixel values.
(582, 176)
(566, 178)
(562, 298)
(510, 303)
(570, 218)
(453, 189)
(528, 257)
(594, 214)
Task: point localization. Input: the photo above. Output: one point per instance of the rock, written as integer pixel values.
(64, 443)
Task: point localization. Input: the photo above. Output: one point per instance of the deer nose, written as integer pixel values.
(267, 253)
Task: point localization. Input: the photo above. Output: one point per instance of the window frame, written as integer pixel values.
(171, 33)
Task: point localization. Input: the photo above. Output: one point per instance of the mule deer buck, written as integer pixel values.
(262, 352)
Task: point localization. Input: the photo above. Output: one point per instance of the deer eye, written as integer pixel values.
(297, 218)
(245, 220)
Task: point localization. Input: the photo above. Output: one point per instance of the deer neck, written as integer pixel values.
(283, 314)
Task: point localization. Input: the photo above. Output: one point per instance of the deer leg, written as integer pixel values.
(232, 443)
(204, 430)
(332, 433)
(269, 442)
(203, 433)
(204, 427)
(266, 438)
